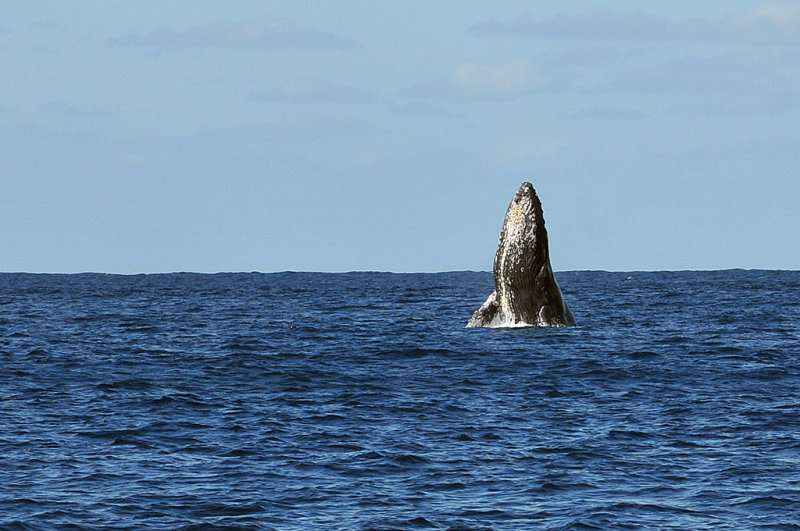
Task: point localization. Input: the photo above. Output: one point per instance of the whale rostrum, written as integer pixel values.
(525, 289)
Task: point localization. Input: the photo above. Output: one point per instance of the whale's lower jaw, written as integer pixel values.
(498, 312)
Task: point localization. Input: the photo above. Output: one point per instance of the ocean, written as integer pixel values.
(360, 401)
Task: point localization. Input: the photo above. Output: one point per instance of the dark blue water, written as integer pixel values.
(360, 401)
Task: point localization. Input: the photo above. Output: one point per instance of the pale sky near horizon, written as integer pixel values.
(374, 135)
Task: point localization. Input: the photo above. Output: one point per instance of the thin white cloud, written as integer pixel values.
(44, 25)
(420, 109)
(311, 89)
(590, 25)
(520, 153)
(478, 81)
(262, 33)
(59, 107)
(769, 22)
(67, 109)
(763, 73)
(607, 112)
(287, 128)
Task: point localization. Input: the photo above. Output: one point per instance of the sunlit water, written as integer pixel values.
(361, 401)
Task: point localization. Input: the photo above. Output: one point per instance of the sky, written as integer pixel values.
(208, 136)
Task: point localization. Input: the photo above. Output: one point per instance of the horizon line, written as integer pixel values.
(379, 271)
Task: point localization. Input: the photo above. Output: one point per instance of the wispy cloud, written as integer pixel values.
(479, 81)
(590, 25)
(519, 153)
(312, 89)
(420, 109)
(44, 25)
(59, 107)
(262, 33)
(288, 128)
(607, 112)
(769, 23)
(772, 22)
(761, 73)
(66, 109)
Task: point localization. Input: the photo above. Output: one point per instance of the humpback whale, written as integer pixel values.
(525, 290)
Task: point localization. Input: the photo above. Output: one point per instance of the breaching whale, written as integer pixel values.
(525, 290)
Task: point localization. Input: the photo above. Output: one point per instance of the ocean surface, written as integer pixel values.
(361, 401)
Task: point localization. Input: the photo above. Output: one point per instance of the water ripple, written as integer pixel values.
(305, 401)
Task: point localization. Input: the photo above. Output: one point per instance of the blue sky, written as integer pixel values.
(371, 135)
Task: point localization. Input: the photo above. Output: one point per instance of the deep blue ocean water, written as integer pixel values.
(361, 401)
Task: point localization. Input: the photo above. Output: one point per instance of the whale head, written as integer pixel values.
(526, 292)
(523, 248)
(526, 288)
